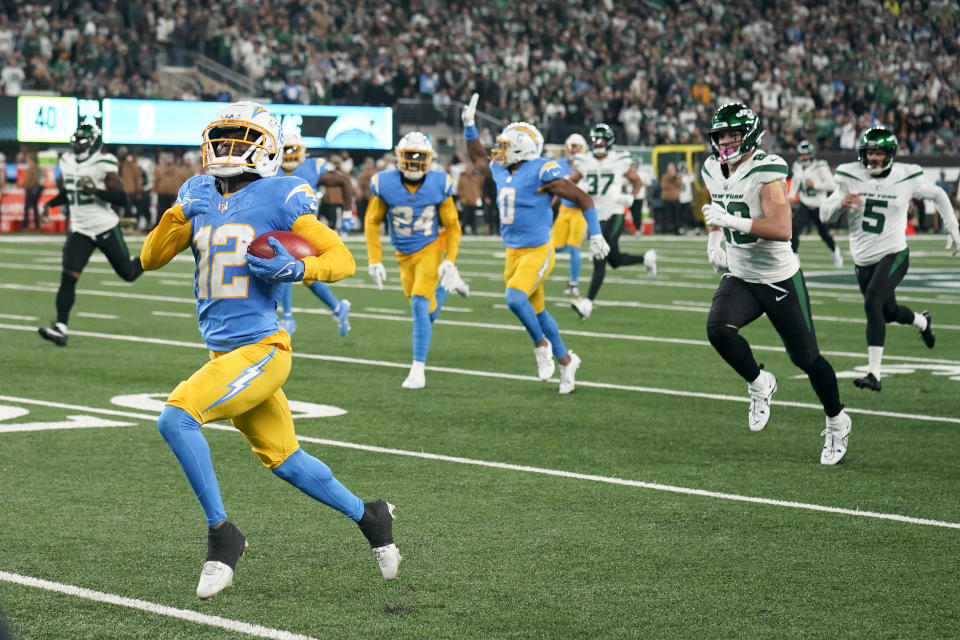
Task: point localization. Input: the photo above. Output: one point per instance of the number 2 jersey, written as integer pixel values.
(89, 214)
(879, 227)
(750, 258)
(235, 307)
(603, 180)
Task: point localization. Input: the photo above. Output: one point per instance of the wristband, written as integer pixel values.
(743, 225)
(593, 222)
(470, 133)
(713, 240)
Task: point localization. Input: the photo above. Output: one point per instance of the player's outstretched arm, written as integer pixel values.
(478, 155)
(172, 235)
(566, 189)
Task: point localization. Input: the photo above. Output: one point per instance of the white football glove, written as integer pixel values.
(598, 247)
(377, 273)
(953, 239)
(716, 216)
(715, 252)
(450, 279)
(469, 113)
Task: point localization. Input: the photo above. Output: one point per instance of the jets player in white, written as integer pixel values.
(875, 193)
(600, 174)
(89, 183)
(813, 180)
(761, 273)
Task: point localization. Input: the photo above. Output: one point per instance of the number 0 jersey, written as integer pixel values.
(89, 214)
(235, 307)
(879, 227)
(525, 214)
(750, 258)
(603, 179)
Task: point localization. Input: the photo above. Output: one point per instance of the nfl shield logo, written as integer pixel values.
(223, 206)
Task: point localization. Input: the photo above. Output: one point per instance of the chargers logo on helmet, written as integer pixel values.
(243, 138)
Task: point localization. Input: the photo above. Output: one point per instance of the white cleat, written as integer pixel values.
(545, 363)
(650, 262)
(837, 433)
(760, 394)
(388, 558)
(837, 256)
(214, 578)
(572, 290)
(568, 374)
(583, 306)
(417, 378)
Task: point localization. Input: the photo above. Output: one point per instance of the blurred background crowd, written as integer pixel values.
(655, 70)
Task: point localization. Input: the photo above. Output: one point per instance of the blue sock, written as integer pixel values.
(441, 296)
(552, 332)
(183, 435)
(520, 305)
(422, 327)
(574, 263)
(314, 478)
(322, 291)
(286, 298)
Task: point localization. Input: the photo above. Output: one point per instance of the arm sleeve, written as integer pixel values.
(823, 180)
(60, 199)
(794, 187)
(372, 218)
(172, 235)
(335, 261)
(451, 222)
(830, 208)
(930, 191)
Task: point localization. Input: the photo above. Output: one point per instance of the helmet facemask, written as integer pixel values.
(519, 141)
(874, 140)
(86, 140)
(293, 156)
(414, 153)
(805, 153)
(574, 144)
(601, 140)
(739, 121)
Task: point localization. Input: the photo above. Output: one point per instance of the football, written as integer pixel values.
(298, 246)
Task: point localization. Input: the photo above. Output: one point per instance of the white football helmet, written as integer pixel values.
(243, 138)
(294, 151)
(414, 154)
(518, 141)
(574, 144)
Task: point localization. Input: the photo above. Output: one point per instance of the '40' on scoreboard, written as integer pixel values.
(52, 118)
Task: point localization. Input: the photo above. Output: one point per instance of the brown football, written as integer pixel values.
(298, 246)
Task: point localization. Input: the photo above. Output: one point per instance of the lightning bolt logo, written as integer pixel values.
(243, 381)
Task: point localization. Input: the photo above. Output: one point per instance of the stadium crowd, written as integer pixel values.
(655, 70)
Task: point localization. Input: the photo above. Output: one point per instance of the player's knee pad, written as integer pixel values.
(721, 334)
(172, 420)
(515, 299)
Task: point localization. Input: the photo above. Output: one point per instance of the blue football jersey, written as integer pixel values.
(234, 307)
(311, 169)
(525, 213)
(412, 217)
(566, 169)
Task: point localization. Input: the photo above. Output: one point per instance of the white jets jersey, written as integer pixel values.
(879, 227)
(89, 214)
(750, 258)
(603, 179)
(818, 172)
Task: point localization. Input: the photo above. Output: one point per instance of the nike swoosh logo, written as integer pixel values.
(779, 298)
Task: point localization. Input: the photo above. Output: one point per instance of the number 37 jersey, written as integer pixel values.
(750, 258)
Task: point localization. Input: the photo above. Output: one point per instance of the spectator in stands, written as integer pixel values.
(670, 186)
(129, 172)
(166, 182)
(32, 188)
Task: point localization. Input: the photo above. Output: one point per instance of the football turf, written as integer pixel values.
(640, 506)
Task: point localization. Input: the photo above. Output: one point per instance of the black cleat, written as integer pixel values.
(929, 337)
(869, 381)
(54, 334)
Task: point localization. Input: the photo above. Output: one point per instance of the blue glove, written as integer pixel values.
(282, 267)
(196, 200)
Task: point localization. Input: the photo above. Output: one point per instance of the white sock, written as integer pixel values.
(62, 328)
(920, 321)
(874, 357)
(758, 383)
(418, 367)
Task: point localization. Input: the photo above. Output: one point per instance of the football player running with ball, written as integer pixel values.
(603, 171)
(218, 216)
(761, 273)
(526, 184)
(875, 193)
(89, 183)
(316, 173)
(416, 202)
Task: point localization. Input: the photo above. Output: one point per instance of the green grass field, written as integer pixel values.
(640, 506)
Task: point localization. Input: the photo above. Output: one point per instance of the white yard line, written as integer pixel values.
(236, 626)
(557, 473)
